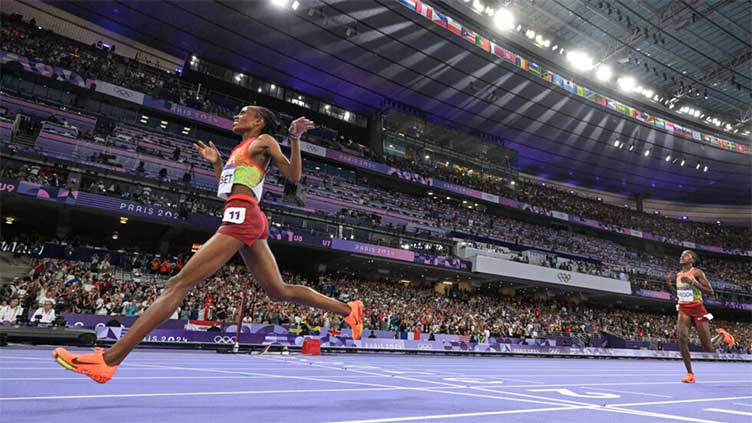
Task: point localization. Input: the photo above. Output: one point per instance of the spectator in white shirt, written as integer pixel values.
(10, 312)
(45, 313)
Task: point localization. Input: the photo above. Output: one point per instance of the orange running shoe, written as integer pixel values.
(355, 319)
(689, 378)
(727, 338)
(91, 365)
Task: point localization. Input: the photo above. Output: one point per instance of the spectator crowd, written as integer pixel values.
(89, 287)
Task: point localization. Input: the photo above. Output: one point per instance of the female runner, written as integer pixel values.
(244, 228)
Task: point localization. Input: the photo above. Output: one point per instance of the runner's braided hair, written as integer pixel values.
(271, 123)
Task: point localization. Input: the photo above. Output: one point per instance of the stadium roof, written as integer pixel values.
(356, 54)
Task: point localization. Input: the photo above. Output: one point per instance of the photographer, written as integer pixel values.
(45, 314)
(10, 312)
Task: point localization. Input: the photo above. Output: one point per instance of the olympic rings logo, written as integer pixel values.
(123, 92)
(224, 339)
(564, 277)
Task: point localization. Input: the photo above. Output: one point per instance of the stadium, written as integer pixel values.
(376, 211)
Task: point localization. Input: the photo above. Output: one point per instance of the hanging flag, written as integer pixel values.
(696, 135)
(482, 43)
(408, 3)
(548, 76)
(454, 26)
(468, 35)
(660, 123)
(611, 104)
(424, 9)
(439, 19)
(503, 53)
(522, 63)
(600, 100)
(589, 94)
(669, 126)
(534, 68)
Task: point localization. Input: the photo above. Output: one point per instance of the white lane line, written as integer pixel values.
(536, 399)
(426, 389)
(30, 368)
(456, 416)
(176, 377)
(749, 382)
(25, 358)
(637, 404)
(743, 405)
(629, 392)
(315, 379)
(420, 389)
(721, 410)
(192, 394)
(607, 408)
(656, 415)
(357, 370)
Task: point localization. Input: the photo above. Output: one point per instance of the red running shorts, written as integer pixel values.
(243, 220)
(696, 311)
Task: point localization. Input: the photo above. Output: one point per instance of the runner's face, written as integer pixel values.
(686, 258)
(247, 119)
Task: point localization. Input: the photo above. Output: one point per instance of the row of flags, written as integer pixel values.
(491, 47)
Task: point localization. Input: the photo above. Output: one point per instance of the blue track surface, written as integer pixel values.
(182, 387)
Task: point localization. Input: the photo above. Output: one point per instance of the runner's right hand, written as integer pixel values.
(209, 152)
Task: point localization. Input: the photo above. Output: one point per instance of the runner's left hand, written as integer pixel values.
(299, 126)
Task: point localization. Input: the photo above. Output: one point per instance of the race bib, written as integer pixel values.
(234, 215)
(685, 295)
(225, 181)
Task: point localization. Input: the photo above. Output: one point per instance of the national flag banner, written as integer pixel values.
(468, 35)
(601, 100)
(669, 126)
(660, 123)
(622, 108)
(706, 137)
(534, 68)
(424, 9)
(334, 332)
(522, 63)
(439, 18)
(633, 112)
(201, 325)
(581, 91)
(649, 119)
(564, 84)
(408, 3)
(482, 43)
(696, 135)
(548, 76)
(454, 26)
(611, 104)
(588, 94)
(715, 140)
(463, 338)
(505, 54)
(639, 115)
